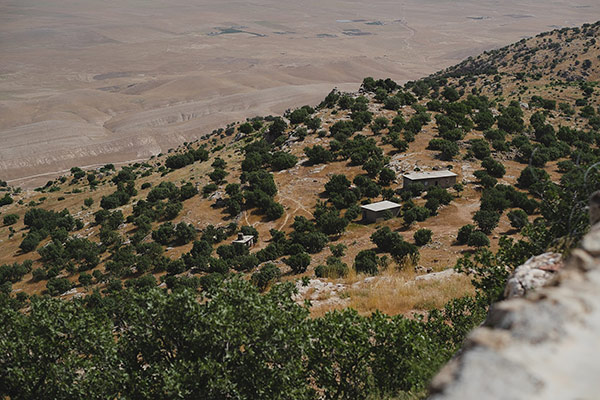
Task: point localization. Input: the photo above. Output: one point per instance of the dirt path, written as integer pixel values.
(288, 213)
(411, 32)
(64, 171)
(246, 218)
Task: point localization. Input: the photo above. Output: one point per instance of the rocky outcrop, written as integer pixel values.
(542, 346)
(535, 273)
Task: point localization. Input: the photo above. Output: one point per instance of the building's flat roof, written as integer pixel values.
(245, 239)
(414, 176)
(381, 205)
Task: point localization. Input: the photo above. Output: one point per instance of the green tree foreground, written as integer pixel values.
(235, 343)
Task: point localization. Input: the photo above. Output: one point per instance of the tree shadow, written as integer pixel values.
(403, 228)
(510, 231)
(364, 222)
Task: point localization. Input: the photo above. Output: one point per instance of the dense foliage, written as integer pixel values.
(238, 343)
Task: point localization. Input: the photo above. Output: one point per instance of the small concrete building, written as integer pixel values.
(246, 240)
(443, 179)
(376, 211)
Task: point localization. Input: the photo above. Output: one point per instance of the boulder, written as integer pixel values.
(535, 273)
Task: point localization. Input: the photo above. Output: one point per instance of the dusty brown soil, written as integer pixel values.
(86, 83)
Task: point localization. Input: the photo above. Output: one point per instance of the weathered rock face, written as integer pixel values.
(543, 346)
(535, 273)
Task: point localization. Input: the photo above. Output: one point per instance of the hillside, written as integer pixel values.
(401, 132)
(519, 126)
(566, 54)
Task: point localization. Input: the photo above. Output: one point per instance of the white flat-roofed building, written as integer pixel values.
(443, 178)
(246, 240)
(375, 211)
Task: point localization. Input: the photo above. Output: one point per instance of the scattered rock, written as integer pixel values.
(321, 293)
(535, 273)
(422, 269)
(69, 292)
(435, 244)
(591, 243)
(445, 274)
(217, 196)
(318, 169)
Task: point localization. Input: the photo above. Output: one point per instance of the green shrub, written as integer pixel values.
(10, 219)
(531, 175)
(448, 150)
(298, 262)
(267, 274)
(464, 233)
(85, 279)
(57, 286)
(6, 200)
(486, 220)
(39, 274)
(208, 189)
(15, 272)
(164, 233)
(277, 127)
(218, 175)
(518, 218)
(478, 239)
(281, 160)
(332, 270)
(422, 236)
(493, 167)
(480, 148)
(318, 155)
(485, 179)
(187, 191)
(184, 233)
(366, 262)
(246, 128)
(31, 241)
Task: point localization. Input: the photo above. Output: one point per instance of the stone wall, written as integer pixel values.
(545, 345)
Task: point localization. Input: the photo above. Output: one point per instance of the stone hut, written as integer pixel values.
(444, 179)
(376, 211)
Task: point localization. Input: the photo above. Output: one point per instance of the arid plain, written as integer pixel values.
(89, 82)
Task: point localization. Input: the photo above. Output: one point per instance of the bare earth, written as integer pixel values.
(89, 82)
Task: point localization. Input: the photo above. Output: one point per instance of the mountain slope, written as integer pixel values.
(456, 119)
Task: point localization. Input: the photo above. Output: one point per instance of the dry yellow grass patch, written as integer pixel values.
(396, 296)
(397, 292)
